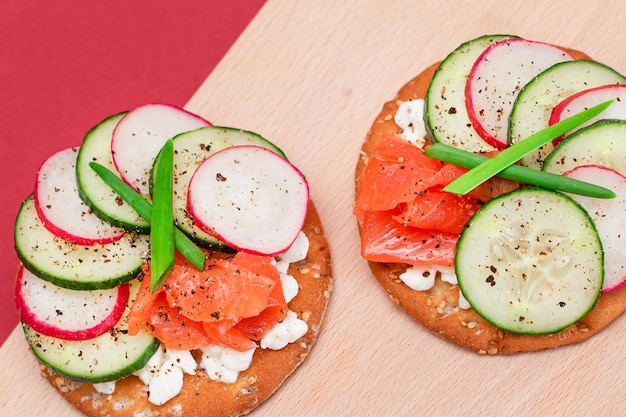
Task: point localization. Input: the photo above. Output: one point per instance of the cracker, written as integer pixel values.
(202, 397)
(437, 309)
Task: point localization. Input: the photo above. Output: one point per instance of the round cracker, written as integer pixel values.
(437, 309)
(202, 397)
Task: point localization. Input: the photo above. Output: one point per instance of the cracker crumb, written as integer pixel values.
(492, 351)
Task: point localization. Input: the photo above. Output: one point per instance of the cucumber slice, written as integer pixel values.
(446, 117)
(73, 266)
(111, 356)
(190, 150)
(103, 201)
(602, 143)
(537, 99)
(530, 262)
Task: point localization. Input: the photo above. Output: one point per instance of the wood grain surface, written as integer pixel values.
(311, 76)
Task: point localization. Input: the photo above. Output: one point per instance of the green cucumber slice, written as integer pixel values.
(74, 266)
(601, 143)
(530, 262)
(535, 102)
(103, 201)
(445, 112)
(190, 150)
(108, 357)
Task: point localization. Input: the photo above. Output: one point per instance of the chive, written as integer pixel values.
(512, 154)
(519, 173)
(182, 242)
(162, 226)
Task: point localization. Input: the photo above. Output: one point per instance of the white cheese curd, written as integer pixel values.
(285, 332)
(419, 278)
(105, 387)
(165, 384)
(183, 359)
(224, 364)
(463, 303)
(410, 117)
(163, 373)
(448, 275)
(152, 366)
(296, 252)
(290, 286)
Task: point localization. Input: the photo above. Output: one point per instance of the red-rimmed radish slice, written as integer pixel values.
(608, 216)
(60, 207)
(68, 314)
(250, 198)
(585, 99)
(140, 135)
(497, 76)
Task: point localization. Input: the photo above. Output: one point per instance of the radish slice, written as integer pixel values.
(250, 198)
(140, 135)
(588, 98)
(497, 76)
(68, 314)
(608, 215)
(60, 207)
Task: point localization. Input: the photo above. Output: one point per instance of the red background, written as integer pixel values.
(67, 64)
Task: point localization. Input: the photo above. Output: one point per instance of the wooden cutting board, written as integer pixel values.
(311, 76)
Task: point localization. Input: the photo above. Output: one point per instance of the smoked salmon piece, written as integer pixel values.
(385, 240)
(234, 302)
(435, 209)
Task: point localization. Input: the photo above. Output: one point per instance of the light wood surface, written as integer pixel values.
(311, 76)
